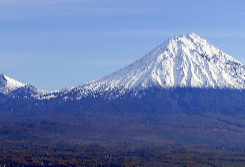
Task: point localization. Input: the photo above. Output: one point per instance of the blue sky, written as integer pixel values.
(53, 44)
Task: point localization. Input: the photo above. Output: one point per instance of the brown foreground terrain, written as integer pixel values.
(175, 140)
(48, 154)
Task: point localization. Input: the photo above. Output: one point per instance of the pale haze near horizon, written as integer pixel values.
(57, 43)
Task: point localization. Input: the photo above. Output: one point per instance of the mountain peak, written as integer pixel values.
(180, 45)
(183, 61)
(190, 35)
(8, 84)
(187, 36)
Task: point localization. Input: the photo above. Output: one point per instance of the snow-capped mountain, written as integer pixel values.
(8, 85)
(16, 89)
(183, 61)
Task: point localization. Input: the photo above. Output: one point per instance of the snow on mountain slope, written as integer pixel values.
(8, 85)
(183, 61)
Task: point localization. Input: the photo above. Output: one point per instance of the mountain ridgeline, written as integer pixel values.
(184, 74)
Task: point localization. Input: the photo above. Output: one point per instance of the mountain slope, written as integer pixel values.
(184, 61)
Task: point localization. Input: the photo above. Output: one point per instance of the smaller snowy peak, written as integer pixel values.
(16, 89)
(8, 84)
